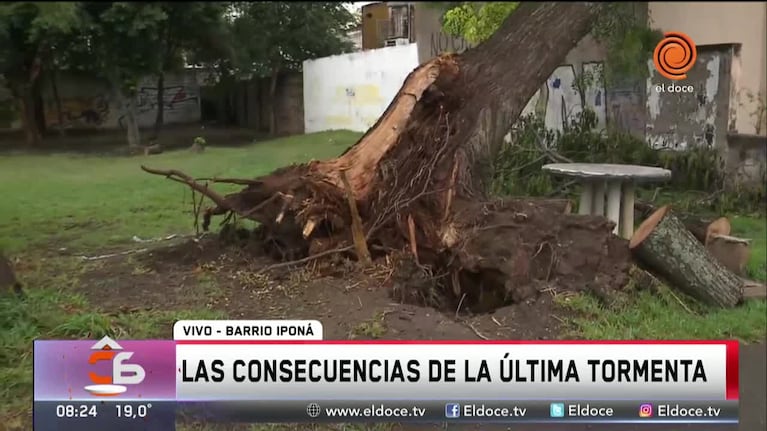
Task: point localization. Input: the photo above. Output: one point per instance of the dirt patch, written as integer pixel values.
(359, 305)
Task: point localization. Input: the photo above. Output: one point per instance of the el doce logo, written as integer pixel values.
(122, 373)
(675, 55)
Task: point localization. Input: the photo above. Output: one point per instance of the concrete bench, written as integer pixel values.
(608, 190)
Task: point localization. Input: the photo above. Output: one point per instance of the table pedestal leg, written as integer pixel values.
(614, 203)
(627, 210)
(598, 205)
(587, 197)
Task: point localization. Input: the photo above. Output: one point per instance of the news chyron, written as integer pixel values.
(284, 371)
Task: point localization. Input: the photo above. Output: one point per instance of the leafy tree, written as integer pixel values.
(272, 37)
(191, 30)
(28, 33)
(118, 42)
(629, 42)
(476, 22)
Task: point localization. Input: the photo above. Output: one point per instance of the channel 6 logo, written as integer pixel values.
(122, 372)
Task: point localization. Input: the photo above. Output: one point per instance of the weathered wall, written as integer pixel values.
(747, 158)
(351, 91)
(87, 103)
(254, 104)
(680, 120)
(708, 23)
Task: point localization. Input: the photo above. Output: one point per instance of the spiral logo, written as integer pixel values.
(675, 55)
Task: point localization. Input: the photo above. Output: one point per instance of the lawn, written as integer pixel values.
(88, 202)
(58, 206)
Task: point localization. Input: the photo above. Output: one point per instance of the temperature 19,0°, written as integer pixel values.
(133, 411)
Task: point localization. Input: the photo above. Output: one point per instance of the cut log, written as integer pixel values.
(754, 290)
(718, 227)
(730, 251)
(700, 227)
(664, 244)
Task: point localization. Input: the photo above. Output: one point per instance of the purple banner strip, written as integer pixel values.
(105, 370)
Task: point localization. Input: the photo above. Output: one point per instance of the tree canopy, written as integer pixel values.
(620, 28)
(125, 42)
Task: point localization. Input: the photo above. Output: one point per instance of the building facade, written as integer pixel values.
(741, 24)
(387, 24)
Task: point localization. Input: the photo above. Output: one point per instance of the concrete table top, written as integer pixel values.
(608, 190)
(606, 171)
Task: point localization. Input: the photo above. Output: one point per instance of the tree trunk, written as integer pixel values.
(132, 128)
(665, 245)
(158, 121)
(127, 107)
(420, 174)
(57, 100)
(273, 101)
(26, 103)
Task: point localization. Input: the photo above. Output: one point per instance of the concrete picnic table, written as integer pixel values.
(616, 182)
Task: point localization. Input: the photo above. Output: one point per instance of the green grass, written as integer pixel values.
(665, 316)
(95, 202)
(91, 203)
(754, 229)
(669, 315)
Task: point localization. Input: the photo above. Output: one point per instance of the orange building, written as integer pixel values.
(387, 24)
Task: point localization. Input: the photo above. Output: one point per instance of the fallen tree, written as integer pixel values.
(418, 178)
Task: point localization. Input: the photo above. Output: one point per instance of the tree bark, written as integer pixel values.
(159, 120)
(57, 100)
(26, 103)
(274, 77)
(700, 228)
(664, 244)
(127, 107)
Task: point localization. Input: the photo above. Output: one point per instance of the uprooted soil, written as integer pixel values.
(350, 304)
(539, 254)
(207, 273)
(511, 250)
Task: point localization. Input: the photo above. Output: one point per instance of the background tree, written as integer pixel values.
(620, 28)
(272, 37)
(28, 32)
(118, 42)
(189, 31)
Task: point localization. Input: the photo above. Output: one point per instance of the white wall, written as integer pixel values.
(351, 91)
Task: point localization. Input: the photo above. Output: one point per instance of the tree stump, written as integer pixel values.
(664, 244)
(730, 251)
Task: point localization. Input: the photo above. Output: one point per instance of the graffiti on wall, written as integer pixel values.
(441, 43)
(181, 103)
(698, 116)
(78, 112)
(560, 100)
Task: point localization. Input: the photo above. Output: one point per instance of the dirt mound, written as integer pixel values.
(511, 250)
(504, 252)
